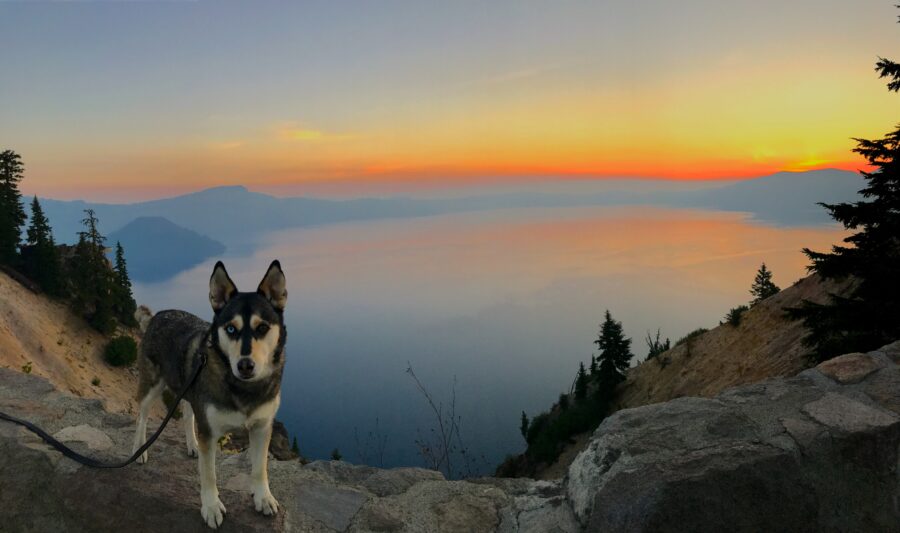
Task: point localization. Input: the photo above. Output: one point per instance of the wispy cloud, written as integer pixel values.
(292, 131)
(514, 75)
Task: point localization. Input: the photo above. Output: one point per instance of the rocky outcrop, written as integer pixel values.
(814, 452)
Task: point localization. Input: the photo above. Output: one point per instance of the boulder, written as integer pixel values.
(815, 452)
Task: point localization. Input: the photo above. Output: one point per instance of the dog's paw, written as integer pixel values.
(192, 451)
(264, 501)
(213, 511)
(142, 458)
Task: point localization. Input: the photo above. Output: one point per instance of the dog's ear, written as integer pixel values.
(273, 286)
(221, 288)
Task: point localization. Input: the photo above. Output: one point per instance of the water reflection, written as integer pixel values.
(507, 301)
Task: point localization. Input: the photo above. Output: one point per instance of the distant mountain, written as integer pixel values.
(157, 249)
(785, 198)
(237, 216)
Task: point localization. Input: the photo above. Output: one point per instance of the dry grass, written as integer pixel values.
(60, 347)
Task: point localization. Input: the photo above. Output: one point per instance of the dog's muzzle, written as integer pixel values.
(245, 367)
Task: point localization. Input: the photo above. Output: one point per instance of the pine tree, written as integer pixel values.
(295, 447)
(581, 383)
(523, 426)
(614, 359)
(593, 367)
(123, 301)
(40, 258)
(12, 212)
(866, 317)
(93, 283)
(763, 287)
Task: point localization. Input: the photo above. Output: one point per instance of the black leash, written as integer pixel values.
(93, 463)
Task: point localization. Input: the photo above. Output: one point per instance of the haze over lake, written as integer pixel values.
(505, 301)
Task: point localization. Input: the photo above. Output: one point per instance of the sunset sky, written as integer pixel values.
(128, 100)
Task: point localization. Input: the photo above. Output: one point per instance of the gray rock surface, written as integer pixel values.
(815, 452)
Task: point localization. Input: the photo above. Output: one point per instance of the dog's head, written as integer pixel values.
(248, 327)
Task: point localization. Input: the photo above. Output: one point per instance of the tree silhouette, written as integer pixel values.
(92, 279)
(123, 298)
(12, 213)
(866, 317)
(523, 426)
(40, 258)
(581, 383)
(763, 287)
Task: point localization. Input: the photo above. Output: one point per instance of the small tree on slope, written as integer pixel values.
(40, 258)
(763, 287)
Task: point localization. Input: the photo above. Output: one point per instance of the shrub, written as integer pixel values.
(734, 316)
(336, 455)
(95, 382)
(27, 367)
(690, 336)
(121, 351)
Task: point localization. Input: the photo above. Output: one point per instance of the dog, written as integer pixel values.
(239, 386)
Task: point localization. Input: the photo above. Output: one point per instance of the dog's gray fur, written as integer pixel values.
(247, 331)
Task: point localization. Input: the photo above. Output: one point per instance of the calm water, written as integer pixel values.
(505, 302)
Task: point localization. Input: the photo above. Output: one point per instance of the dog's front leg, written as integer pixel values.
(260, 435)
(211, 508)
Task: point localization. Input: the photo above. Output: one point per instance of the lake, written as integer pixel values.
(502, 303)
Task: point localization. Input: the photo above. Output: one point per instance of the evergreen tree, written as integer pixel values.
(93, 283)
(614, 359)
(295, 447)
(123, 301)
(40, 258)
(581, 383)
(763, 287)
(12, 212)
(865, 318)
(593, 366)
(523, 426)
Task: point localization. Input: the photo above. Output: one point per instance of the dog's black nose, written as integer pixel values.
(245, 367)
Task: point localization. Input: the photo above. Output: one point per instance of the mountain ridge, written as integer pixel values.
(239, 214)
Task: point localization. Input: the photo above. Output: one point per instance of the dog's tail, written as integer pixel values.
(143, 316)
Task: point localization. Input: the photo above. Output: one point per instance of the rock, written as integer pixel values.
(813, 452)
(331, 505)
(842, 413)
(893, 351)
(849, 368)
(797, 454)
(94, 438)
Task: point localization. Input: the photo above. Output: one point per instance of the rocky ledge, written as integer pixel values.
(815, 452)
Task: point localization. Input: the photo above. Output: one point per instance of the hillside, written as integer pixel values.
(765, 345)
(60, 346)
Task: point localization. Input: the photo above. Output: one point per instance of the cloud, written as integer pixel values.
(291, 131)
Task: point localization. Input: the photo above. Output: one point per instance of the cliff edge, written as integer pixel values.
(814, 452)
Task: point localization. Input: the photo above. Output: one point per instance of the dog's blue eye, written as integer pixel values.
(231, 330)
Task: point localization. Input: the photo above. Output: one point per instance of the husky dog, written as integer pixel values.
(238, 387)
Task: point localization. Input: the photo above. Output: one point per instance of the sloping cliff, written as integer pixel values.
(813, 452)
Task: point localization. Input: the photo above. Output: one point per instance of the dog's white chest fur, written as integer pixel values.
(221, 420)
